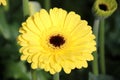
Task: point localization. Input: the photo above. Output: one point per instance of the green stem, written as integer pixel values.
(4, 27)
(7, 7)
(26, 11)
(95, 54)
(34, 74)
(102, 54)
(47, 4)
(56, 76)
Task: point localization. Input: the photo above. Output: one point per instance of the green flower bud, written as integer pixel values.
(104, 8)
(34, 7)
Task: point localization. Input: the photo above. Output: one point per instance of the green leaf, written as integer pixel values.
(4, 28)
(100, 77)
(42, 75)
(16, 70)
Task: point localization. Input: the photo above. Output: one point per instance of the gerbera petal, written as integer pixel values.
(31, 26)
(21, 41)
(38, 22)
(35, 57)
(34, 65)
(52, 71)
(58, 17)
(21, 30)
(71, 21)
(23, 57)
(67, 70)
(54, 65)
(29, 59)
(84, 64)
(45, 18)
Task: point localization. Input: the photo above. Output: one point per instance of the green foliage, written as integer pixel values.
(16, 70)
(112, 34)
(100, 77)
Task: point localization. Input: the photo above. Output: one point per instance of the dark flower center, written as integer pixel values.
(57, 40)
(103, 7)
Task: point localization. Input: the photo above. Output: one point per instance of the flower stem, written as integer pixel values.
(34, 74)
(56, 76)
(7, 7)
(47, 4)
(102, 53)
(95, 54)
(26, 8)
(4, 27)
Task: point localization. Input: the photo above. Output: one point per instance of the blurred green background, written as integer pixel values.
(11, 68)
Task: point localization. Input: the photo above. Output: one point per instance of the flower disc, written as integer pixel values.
(56, 40)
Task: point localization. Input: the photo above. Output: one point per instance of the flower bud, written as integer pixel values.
(34, 6)
(104, 8)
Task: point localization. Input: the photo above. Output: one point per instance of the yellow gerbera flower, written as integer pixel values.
(3, 2)
(56, 40)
